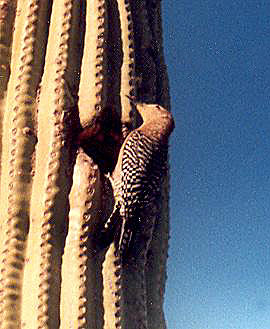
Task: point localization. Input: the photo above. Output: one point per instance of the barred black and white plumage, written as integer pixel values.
(141, 165)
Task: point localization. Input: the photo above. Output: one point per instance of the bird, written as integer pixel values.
(136, 179)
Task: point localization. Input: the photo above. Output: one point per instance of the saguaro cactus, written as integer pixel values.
(66, 67)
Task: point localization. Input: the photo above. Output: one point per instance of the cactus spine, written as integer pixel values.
(61, 63)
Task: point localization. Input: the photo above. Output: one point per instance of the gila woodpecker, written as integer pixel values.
(136, 179)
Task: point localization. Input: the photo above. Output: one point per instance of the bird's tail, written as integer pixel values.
(122, 239)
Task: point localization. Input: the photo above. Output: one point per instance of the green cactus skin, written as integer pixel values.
(61, 63)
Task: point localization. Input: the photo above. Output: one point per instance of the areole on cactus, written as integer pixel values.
(62, 63)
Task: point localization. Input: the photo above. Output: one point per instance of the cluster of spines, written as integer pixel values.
(100, 69)
(118, 292)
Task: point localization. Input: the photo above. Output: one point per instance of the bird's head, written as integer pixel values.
(154, 114)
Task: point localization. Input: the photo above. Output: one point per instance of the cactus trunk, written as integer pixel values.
(61, 63)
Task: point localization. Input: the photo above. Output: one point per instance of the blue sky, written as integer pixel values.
(218, 57)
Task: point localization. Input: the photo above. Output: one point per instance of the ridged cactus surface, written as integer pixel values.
(63, 65)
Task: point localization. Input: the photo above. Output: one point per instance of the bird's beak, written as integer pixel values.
(132, 100)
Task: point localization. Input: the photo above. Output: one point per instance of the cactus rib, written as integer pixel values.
(145, 64)
(155, 269)
(112, 272)
(93, 82)
(125, 297)
(79, 307)
(127, 79)
(19, 129)
(49, 209)
(7, 16)
(7, 12)
(162, 84)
